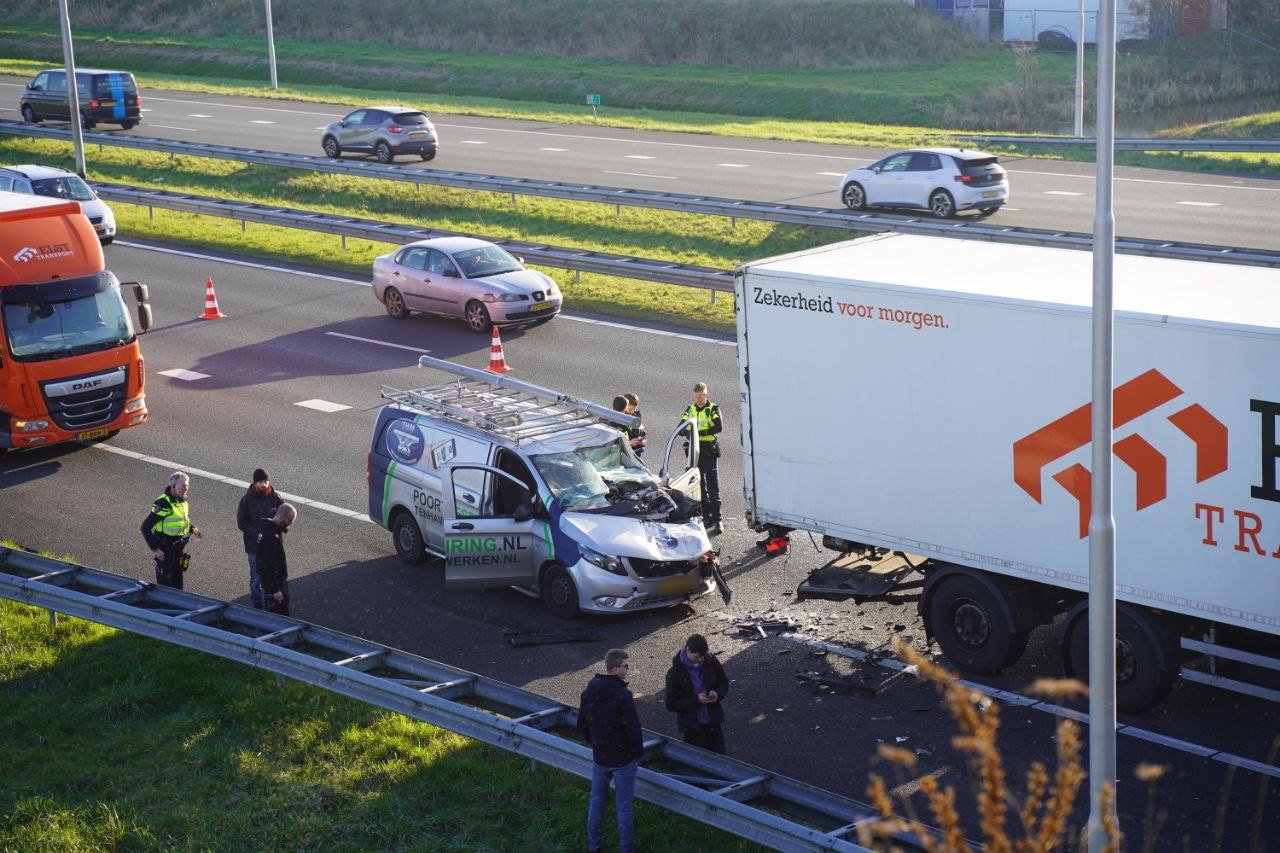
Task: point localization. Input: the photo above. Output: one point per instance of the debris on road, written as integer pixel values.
(537, 637)
(760, 628)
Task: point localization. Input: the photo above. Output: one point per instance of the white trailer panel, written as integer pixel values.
(917, 393)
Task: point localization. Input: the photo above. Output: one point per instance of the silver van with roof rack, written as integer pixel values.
(516, 485)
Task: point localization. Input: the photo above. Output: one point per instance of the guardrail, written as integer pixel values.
(766, 211)
(694, 782)
(669, 272)
(1242, 146)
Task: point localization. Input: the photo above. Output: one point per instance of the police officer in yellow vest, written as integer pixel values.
(706, 415)
(168, 528)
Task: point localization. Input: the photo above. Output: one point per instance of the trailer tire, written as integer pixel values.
(1145, 660)
(407, 537)
(973, 626)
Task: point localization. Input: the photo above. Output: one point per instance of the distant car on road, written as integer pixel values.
(939, 180)
(385, 132)
(59, 183)
(109, 97)
(467, 278)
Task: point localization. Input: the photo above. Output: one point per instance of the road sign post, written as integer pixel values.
(593, 101)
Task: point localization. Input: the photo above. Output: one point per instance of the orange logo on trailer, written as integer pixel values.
(1138, 396)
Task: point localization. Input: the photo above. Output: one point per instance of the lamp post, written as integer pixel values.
(73, 91)
(271, 46)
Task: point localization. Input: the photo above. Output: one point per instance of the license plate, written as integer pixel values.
(671, 586)
(107, 103)
(541, 306)
(91, 434)
(417, 135)
(990, 194)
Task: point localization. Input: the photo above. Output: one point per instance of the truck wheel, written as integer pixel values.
(408, 539)
(1142, 676)
(973, 627)
(559, 592)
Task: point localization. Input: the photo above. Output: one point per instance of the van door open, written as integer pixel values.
(688, 480)
(486, 547)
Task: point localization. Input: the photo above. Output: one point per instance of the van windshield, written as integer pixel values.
(594, 477)
(88, 322)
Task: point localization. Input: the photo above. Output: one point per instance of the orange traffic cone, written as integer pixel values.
(211, 311)
(497, 361)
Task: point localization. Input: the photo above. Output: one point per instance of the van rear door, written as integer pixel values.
(482, 548)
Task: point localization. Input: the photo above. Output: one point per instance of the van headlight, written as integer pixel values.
(604, 561)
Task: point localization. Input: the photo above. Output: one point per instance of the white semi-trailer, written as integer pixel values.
(931, 396)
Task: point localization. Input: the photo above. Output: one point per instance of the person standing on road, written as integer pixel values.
(167, 529)
(696, 685)
(706, 415)
(635, 435)
(258, 502)
(608, 720)
(633, 409)
(273, 568)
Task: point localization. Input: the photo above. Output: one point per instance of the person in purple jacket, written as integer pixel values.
(696, 687)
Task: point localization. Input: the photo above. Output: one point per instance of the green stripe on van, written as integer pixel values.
(386, 492)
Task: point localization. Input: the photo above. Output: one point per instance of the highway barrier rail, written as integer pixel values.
(765, 211)
(1235, 146)
(580, 260)
(742, 799)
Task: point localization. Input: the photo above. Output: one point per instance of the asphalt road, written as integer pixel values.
(290, 381)
(1220, 210)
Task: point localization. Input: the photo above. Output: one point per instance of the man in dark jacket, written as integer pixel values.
(609, 722)
(696, 685)
(273, 568)
(258, 502)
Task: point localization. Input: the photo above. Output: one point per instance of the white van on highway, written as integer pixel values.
(516, 485)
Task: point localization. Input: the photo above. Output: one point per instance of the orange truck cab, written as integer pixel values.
(70, 365)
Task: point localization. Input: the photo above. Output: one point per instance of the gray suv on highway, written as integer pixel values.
(384, 132)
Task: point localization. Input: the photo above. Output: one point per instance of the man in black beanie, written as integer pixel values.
(258, 502)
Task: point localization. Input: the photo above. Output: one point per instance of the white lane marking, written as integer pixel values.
(553, 149)
(172, 127)
(184, 375)
(198, 115)
(260, 121)
(641, 175)
(322, 406)
(231, 481)
(377, 342)
(1025, 701)
(258, 265)
(470, 142)
(1060, 192)
(733, 165)
(1200, 203)
(640, 157)
(831, 174)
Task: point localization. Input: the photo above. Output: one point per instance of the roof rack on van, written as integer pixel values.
(517, 410)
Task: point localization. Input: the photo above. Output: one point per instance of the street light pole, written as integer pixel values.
(73, 91)
(271, 46)
(1102, 525)
(1079, 111)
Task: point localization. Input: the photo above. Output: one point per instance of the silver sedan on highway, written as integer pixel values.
(467, 278)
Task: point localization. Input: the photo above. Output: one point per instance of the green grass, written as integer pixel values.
(111, 741)
(712, 241)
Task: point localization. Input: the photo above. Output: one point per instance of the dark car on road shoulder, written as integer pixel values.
(106, 97)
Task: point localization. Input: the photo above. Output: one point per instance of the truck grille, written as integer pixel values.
(658, 568)
(87, 409)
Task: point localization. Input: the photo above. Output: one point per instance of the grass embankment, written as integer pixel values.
(111, 741)
(703, 240)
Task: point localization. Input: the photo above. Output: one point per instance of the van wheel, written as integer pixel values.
(559, 592)
(408, 539)
(477, 317)
(128, 125)
(972, 628)
(29, 115)
(1140, 679)
(87, 122)
(942, 205)
(393, 300)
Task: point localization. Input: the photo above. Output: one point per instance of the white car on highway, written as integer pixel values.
(939, 180)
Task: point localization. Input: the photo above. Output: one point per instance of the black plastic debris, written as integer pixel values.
(560, 635)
